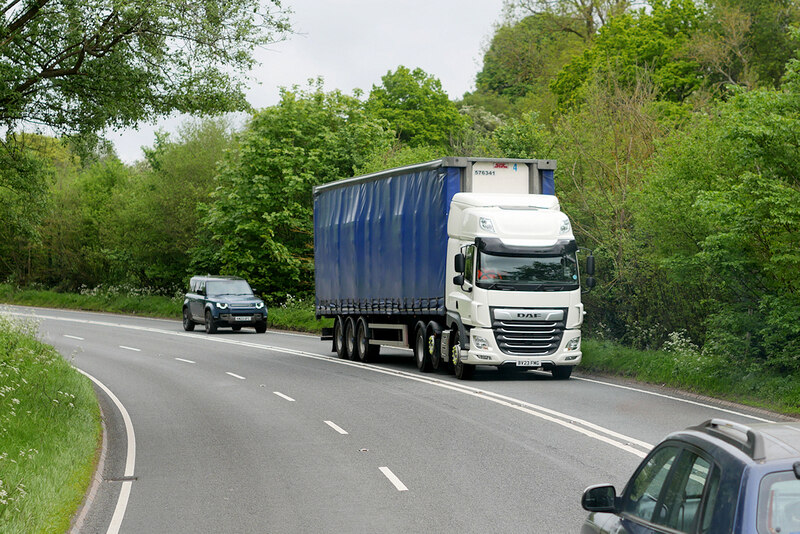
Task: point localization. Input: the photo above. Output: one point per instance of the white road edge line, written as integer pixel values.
(281, 395)
(559, 418)
(182, 360)
(687, 401)
(73, 337)
(134, 349)
(130, 460)
(235, 375)
(336, 427)
(393, 479)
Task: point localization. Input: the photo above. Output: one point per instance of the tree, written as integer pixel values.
(632, 44)
(416, 107)
(259, 221)
(78, 66)
(579, 17)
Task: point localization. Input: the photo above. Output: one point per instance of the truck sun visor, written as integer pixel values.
(493, 245)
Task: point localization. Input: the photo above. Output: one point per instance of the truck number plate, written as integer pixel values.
(238, 318)
(529, 363)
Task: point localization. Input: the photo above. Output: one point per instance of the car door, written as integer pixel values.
(669, 493)
(198, 299)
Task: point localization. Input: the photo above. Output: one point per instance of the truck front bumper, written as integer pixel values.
(484, 351)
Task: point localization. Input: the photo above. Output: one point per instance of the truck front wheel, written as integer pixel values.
(462, 370)
(562, 372)
(421, 354)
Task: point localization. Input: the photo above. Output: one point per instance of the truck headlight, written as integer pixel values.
(573, 343)
(486, 224)
(566, 227)
(480, 343)
(222, 305)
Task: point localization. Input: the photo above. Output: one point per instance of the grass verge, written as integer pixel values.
(744, 382)
(49, 433)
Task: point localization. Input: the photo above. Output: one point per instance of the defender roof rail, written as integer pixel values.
(751, 441)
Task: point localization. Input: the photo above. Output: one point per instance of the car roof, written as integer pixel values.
(216, 277)
(763, 442)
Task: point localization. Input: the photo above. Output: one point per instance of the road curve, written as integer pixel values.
(245, 432)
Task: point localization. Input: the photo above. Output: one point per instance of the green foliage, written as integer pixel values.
(633, 45)
(721, 205)
(416, 107)
(49, 431)
(523, 56)
(260, 217)
(82, 66)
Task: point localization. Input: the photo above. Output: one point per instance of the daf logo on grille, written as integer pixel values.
(529, 315)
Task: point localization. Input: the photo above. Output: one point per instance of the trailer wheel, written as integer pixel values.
(364, 351)
(350, 339)
(434, 350)
(421, 354)
(338, 337)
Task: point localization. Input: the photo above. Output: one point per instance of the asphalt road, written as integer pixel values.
(245, 432)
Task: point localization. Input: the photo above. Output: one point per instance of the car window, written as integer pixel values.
(228, 287)
(779, 504)
(669, 489)
(679, 505)
(645, 487)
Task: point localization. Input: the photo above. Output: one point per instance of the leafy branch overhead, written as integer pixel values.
(78, 66)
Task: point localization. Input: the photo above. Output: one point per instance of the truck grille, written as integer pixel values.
(528, 332)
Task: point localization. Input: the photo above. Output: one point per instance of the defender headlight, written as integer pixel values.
(259, 305)
(480, 343)
(222, 305)
(573, 343)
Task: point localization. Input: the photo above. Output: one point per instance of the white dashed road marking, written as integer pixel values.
(281, 395)
(393, 479)
(234, 375)
(336, 427)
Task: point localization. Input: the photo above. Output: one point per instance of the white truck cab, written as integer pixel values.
(513, 282)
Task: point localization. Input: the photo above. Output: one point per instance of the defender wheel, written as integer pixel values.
(350, 339)
(338, 338)
(236, 328)
(261, 328)
(211, 328)
(562, 372)
(421, 355)
(188, 324)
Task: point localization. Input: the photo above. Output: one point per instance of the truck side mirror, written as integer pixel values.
(458, 279)
(460, 264)
(590, 282)
(590, 265)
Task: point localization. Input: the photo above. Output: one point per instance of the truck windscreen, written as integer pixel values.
(527, 273)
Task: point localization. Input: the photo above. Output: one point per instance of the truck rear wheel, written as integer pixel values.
(421, 354)
(433, 346)
(338, 337)
(350, 338)
(364, 351)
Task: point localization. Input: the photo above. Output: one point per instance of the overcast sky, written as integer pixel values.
(352, 43)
